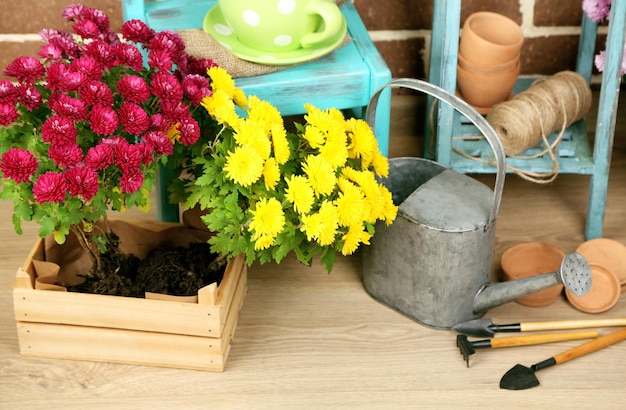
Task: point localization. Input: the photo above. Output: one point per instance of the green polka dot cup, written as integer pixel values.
(282, 25)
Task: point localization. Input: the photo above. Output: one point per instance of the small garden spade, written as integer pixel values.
(522, 377)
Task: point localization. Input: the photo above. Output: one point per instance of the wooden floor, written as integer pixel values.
(310, 340)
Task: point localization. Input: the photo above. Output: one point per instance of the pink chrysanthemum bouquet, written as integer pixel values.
(84, 125)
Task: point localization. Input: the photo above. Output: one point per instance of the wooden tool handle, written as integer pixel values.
(541, 338)
(571, 324)
(591, 346)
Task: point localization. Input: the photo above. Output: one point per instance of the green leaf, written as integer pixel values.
(328, 258)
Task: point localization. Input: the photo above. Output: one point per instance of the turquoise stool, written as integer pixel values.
(344, 79)
(575, 155)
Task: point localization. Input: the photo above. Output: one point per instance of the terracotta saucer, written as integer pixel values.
(603, 295)
(606, 252)
(529, 259)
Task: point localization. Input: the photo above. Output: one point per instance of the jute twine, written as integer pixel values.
(547, 106)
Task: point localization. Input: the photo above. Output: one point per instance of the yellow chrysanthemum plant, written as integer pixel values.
(268, 192)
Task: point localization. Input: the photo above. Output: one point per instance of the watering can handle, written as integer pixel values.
(461, 106)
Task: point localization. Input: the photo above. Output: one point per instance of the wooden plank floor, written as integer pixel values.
(310, 340)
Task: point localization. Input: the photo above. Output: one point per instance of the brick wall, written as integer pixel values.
(399, 28)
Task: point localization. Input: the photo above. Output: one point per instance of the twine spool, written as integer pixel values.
(545, 107)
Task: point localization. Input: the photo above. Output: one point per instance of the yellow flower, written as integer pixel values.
(262, 112)
(324, 120)
(314, 136)
(221, 80)
(271, 174)
(350, 203)
(355, 236)
(329, 223)
(300, 193)
(267, 222)
(335, 150)
(321, 226)
(244, 166)
(249, 134)
(389, 211)
(374, 199)
(239, 98)
(221, 107)
(381, 164)
(321, 174)
(363, 141)
(173, 133)
(280, 143)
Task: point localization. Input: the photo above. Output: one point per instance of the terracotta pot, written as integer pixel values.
(486, 89)
(479, 67)
(530, 259)
(606, 252)
(490, 38)
(604, 293)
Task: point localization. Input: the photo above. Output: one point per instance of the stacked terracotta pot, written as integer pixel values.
(489, 59)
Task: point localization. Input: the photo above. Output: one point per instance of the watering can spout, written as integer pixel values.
(574, 274)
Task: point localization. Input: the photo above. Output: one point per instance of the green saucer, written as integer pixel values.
(216, 26)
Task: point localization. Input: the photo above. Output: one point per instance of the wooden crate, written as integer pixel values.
(118, 329)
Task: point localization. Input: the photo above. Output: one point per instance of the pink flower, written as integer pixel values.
(25, 69)
(131, 182)
(65, 42)
(170, 42)
(65, 155)
(166, 87)
(198, 65)
(86, 29)
(137, 31)
(67, 106)
(8, 114)
(129, 55)
(103, 120)
(72, 81)
(55, 72)
(133, 118)
(133, 88)
(160, 59)
(8, 92)
(128, 158)
(599, 61)
(101, 52)
(97, 93)
(98, 17)
(189, 131)
(195, 87)
(82, 181)
(597, 10)
(59, 130)
(18, 164)
(175, 111)
(50, 52)
(87, 66)
(73, 12)
(99, 157)
(158, 122)
(50, 187)
(30, 97)
(159, 142)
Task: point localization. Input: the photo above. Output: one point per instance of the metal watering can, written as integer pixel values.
(434, 262)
